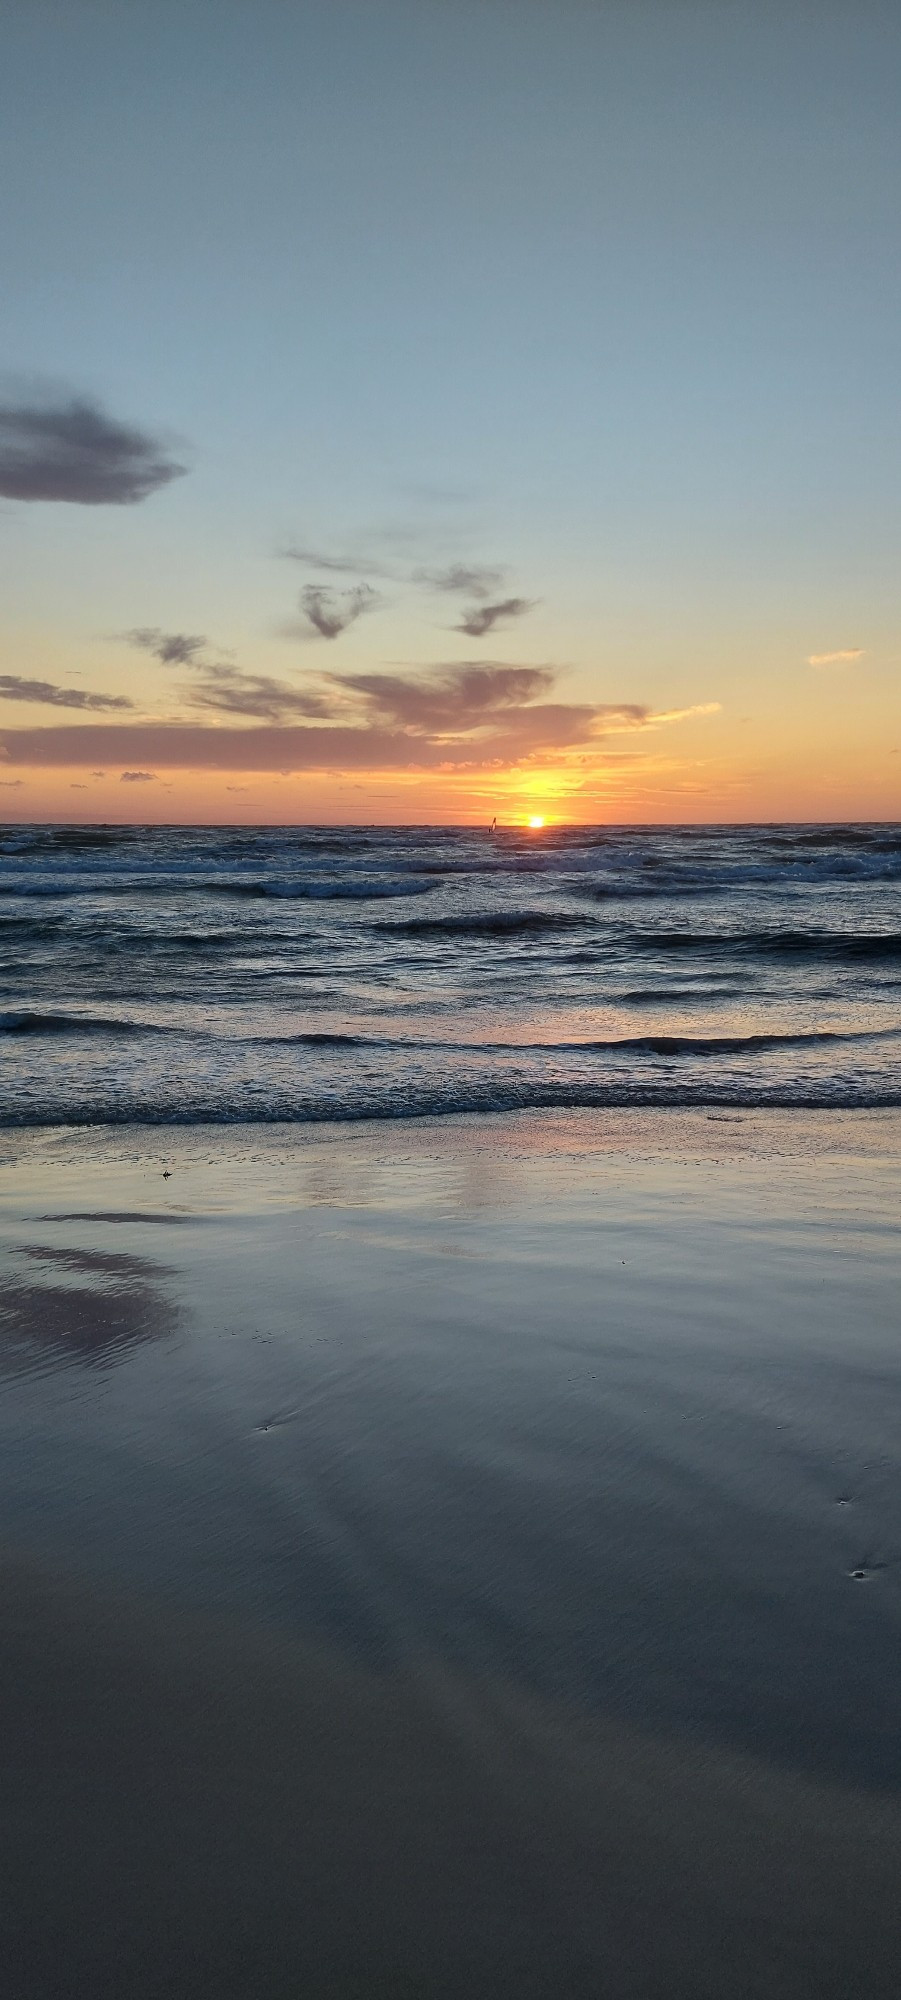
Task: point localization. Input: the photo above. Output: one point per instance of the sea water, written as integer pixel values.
(230, 974)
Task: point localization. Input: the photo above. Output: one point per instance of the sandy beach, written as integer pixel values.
(453, 1558)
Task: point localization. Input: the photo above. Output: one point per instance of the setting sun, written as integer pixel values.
(536, 820)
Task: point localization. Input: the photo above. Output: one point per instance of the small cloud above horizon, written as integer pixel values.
(330, 612)
(486, 617)
(844, 657)
(174, 649)
(138, 778)
(463, 579)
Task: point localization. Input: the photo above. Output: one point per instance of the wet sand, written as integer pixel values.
(452, 1560)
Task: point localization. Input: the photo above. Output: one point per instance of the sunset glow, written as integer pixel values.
(455, 547)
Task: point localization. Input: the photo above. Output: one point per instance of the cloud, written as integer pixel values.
(98, 774)
(284, 748)
(462, 579)
(463, 715)
(14, 688)
(684, 714)
(458, 697)
(839, 659)
(175, 649)
(72, 451)
(137, 778)
(11, 784)
(78, 788)
(484, 617)
(336, 565)
(228, 691)
(330, 613)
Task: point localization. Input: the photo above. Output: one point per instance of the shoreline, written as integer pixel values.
(601, 1127)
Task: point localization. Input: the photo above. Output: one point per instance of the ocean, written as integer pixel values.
(224, 974)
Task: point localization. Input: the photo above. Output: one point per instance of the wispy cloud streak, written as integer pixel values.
(476, 580)
(484, 618)
(227, 690)
(13, 687)
(336, 564)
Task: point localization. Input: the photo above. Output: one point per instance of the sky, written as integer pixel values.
(422, 410)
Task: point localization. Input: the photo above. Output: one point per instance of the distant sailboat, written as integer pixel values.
(493, 826)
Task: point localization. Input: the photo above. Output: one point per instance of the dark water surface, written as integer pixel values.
(333, 973)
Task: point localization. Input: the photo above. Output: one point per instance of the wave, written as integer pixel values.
(312, 890)
(784, 942)
(24, 1021)
(325, 1039)
(330, 891)
(885, 839)
(490, 923)
(707, 1045)
(680, 996)
(29, 1022)
(463, 1100)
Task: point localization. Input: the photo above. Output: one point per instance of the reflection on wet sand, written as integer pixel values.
(507, 1548)
(222, 1814)
(121, 1215)
(94, 1307)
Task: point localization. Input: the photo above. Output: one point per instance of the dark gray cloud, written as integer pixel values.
(331, 612)
(228, 691)
(72, 451)
(175, 649)
(138, 778)
(11, 784)
(462, 579)
(13, 687)
(483, 618)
